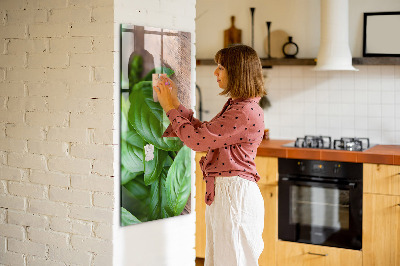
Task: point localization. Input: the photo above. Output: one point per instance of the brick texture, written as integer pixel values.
(56, 121)
(57, 116)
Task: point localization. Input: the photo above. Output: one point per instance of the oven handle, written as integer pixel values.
(297, 181)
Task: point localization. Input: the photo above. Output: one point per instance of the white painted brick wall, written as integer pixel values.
(58, 128)
(56, 122)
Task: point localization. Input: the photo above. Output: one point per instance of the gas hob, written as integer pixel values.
(325, 142)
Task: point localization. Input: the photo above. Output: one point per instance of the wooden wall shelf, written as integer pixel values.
(312, 61)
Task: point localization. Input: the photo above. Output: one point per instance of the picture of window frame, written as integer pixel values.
(155, 171)
(381, 37)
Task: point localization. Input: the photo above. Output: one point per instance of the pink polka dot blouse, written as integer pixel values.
(231, 139)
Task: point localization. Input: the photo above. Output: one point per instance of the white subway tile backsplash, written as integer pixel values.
(348, 122)
(335, 95)
(360, 133)
(284, 72)
(334, 109)
(397, 72)
(388, 111)
(375, 136)
(322, 95)
(389, 136)
(322, 109)
(297, 83)
(361, 123)
(284, 83)
(361, 110)
(360, 97)
(338, 103)
(308, 72)
(374, 97)
(397, 110)
(335, 122)
(397, 123)
(374, 123)
(374, 84)
(374, 111)
(388, 84)
(310, 95)
(297, 72)
(310, 109)
(286, 120)
(388, 97)
(373, 70)
(348, 133)
(388, 124)
(387, 72)
(322, 121)
(347, 110)
(348, 96)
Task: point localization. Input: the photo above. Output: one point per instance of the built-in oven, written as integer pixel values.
(320, 202)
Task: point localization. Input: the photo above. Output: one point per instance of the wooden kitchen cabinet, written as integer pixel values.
(298, 254)
(267, 167)
(381, 230)
(200, 209)
(381, 179)
(270, 233)
(381, 215)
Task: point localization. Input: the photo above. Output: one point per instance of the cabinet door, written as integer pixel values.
(200, 209)
(270, 233)
(381, 230)
(297, 254)
(381, 179)
(267, 168)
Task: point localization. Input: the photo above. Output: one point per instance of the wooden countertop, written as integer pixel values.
(379, 154)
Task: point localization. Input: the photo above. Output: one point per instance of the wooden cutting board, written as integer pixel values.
(232, 35)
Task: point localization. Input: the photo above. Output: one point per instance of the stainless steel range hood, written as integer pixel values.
(334, 51)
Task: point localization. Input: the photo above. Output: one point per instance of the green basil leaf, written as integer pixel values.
(132, 152)
(152, 168)
(158, 201)
(137, 188)
(128, 218)
(127, 176)
(146, 116)
(178, 183)
(165, 208)
(168, 161)
(125, 126)
(138, 207)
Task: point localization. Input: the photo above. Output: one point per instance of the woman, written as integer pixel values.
(235, 207)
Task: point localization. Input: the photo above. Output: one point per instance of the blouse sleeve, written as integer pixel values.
(225, 130)
(186, 113)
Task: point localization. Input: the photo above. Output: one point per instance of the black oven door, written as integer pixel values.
(321, 212)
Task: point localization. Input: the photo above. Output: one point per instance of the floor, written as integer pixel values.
(199, 262)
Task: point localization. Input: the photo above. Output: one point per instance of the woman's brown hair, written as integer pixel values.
(245, 77)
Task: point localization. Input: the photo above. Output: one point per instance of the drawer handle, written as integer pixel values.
(318, 254)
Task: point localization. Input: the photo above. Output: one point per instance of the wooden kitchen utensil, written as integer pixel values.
(232, 35)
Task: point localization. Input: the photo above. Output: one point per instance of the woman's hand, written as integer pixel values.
(164, 89)
(174, 91)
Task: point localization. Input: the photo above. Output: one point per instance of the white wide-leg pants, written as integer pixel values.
(234, 223)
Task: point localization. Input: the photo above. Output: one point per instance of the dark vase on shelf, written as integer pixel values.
(290, 49)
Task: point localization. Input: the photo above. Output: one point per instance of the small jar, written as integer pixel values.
(290, 49)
